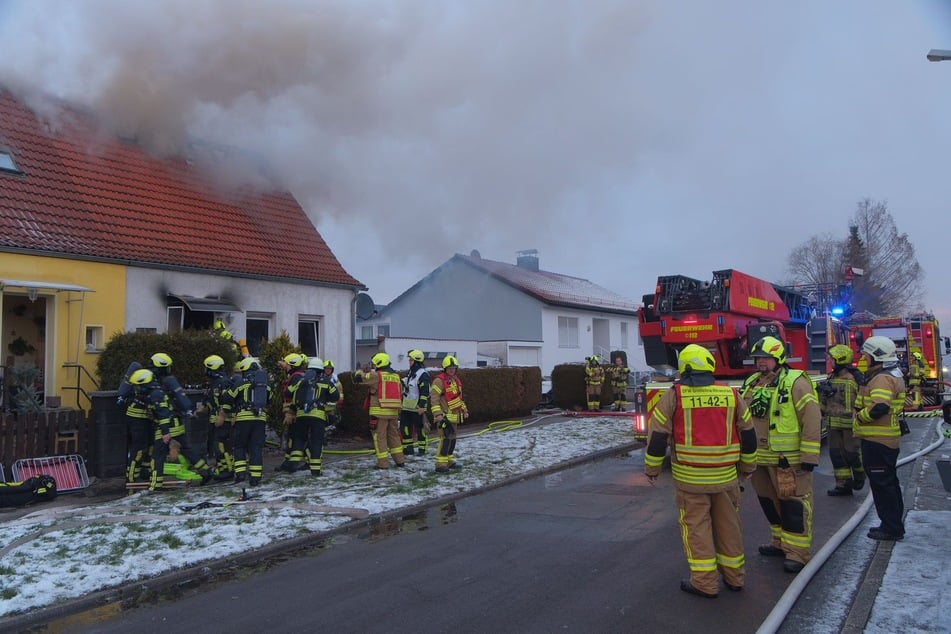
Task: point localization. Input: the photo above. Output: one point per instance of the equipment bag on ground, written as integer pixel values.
(34, 489)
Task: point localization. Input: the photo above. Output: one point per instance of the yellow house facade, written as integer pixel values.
(57, 314)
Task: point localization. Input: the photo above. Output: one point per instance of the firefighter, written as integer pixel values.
(787, 418)
(449, 411)
(311, 396)
(711, 440)
(332, 408)
(294, 364)
(247, 400)
(877, 424)
(415, 401)
(146, 399)
(385, 398)
(619, 375)
(916, 372)
(219, 428)
(179, 410)
(837, 401)
(593, 377)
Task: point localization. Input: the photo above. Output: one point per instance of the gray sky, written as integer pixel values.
(622, 139)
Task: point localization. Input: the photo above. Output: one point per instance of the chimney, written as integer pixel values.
(527, 259)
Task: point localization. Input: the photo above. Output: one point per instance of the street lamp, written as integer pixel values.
(938, 55)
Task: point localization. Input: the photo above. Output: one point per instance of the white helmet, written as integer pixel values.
(315, 363)
(881, 349)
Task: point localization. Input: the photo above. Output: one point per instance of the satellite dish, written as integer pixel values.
(365, 306)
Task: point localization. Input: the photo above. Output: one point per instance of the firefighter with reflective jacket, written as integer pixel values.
(179, 408)
(332, 408)
(415, 401)
(385, 398)
(711, 439)
(619, 375)
(593, 377)
(295, 364)
(837, 399)
(878, 425)
(787, 418)
(311, 396)
(219, 430)
(247, 401)
(146, 405)
(449, 411)
(916, 372)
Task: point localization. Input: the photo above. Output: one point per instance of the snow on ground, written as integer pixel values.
(63, 553)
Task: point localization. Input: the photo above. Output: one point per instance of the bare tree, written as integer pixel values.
(893, 278)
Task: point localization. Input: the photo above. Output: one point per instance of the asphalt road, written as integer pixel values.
(593, 548)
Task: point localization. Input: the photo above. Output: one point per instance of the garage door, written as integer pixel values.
(524, 356)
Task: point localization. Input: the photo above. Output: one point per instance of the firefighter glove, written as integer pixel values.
(759, 406)
(806, 466)
(785, 482)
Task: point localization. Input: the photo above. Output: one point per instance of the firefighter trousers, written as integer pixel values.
(789, 517)
(712, 537)
(881, 464)
(140, 439)
(845, 456)
(249, 437)
(594, 397)
(413, 432)
(387, 441)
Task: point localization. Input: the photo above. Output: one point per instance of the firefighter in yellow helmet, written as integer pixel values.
(247, 401)
(619, 375)
(711, 438)
(788, 421)
(415, 402)
(385, 400)
(219, 428)
(878, 424)
(332, 407)
(295, 365)
(837, 396)
(593, 378)
(449, 411)
(916, 372)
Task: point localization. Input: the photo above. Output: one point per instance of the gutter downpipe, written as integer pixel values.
(353, 330)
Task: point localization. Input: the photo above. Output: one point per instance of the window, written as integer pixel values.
(568, 332)
(95, 338)
(366, 332)
(383, 331)
(6, 162)
(623, 335)
(147, 331)
(176, 319)
(308, 336)
(258, 333)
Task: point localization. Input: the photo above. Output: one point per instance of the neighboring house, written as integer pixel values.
(518, 314)
(99, 237)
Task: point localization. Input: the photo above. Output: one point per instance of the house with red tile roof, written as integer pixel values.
(519, 315)
(98, 236)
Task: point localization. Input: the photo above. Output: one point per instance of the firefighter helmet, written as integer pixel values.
(141, 377)
(841, 354)
(214, 362)
(380, 360)
(315, 363)
(160, 360)
(450, 361)
(770, 347)
(917, 356)
(880, 349)
(594, 360)
(695, 358)
(328, 365)
(245, 364)
(295, 360)
(417, 356)
(226, 335)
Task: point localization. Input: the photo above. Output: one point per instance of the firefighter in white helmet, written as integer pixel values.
(837, 399)
(711, 439)
(878, 424)
(788, 422)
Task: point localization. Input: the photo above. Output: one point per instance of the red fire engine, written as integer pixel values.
(727, 316)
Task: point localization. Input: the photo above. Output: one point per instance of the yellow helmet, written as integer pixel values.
(594, 360)
(380, 360)
(219, 325)
(770, 347)
(417, 356)
(328, 364)
(141, 377)
(295, 360)
(161, 360)
(245, 364)
(226, 335)
(695, 358)
(841, 354)
(450, 362)
(214, 362)
(918, 356)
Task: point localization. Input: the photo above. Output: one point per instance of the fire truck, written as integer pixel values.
(915, 333)
(727, 315)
